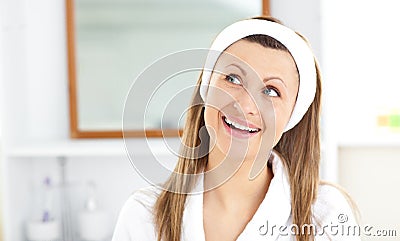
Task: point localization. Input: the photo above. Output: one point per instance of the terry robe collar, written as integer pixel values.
(274, 211)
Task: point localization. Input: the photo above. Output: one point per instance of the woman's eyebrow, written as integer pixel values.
(264, 80)
(274, 77)
(240, 68)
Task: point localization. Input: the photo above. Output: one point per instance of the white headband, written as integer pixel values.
(297, 47)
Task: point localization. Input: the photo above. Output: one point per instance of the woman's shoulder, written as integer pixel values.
(332, 198)
(135, 220)
(334, 210)
(141, 201)
(145, 196)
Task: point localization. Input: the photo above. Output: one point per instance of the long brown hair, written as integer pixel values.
(298, 147)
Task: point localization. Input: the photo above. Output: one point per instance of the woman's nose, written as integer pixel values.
(245, 104)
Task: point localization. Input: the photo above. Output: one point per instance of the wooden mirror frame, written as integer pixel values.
(73, 111)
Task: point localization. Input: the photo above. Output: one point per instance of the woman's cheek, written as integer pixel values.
(281, 120)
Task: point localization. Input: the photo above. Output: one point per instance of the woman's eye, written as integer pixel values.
(234, 79)
(272, 92)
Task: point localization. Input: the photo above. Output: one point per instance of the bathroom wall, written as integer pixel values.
(360, 62)
(370, 175)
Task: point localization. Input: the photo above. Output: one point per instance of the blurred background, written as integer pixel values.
(65, 173)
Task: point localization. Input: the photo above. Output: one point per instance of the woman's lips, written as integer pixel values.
(239, 128)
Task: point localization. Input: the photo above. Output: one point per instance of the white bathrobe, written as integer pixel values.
(332, 215)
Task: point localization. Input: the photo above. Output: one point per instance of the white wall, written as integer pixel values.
(303, 16)
(370, 175)
(361, 63)
(360, 55)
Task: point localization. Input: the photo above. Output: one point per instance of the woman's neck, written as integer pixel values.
(238, 192)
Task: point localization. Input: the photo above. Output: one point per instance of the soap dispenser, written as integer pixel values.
(94, 223)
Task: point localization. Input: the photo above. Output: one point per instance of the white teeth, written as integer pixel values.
(239, 126)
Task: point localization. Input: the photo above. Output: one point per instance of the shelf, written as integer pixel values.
(116, 147)
(370, 139)
(90, 148)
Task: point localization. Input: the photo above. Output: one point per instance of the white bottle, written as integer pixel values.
(94, 223)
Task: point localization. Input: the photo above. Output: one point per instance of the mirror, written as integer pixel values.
(110, 42)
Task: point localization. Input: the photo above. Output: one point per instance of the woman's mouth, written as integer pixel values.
(239, 128)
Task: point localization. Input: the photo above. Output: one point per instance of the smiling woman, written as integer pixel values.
(256, 110)
(278, 73)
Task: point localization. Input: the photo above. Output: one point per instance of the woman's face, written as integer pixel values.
(253, 93)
